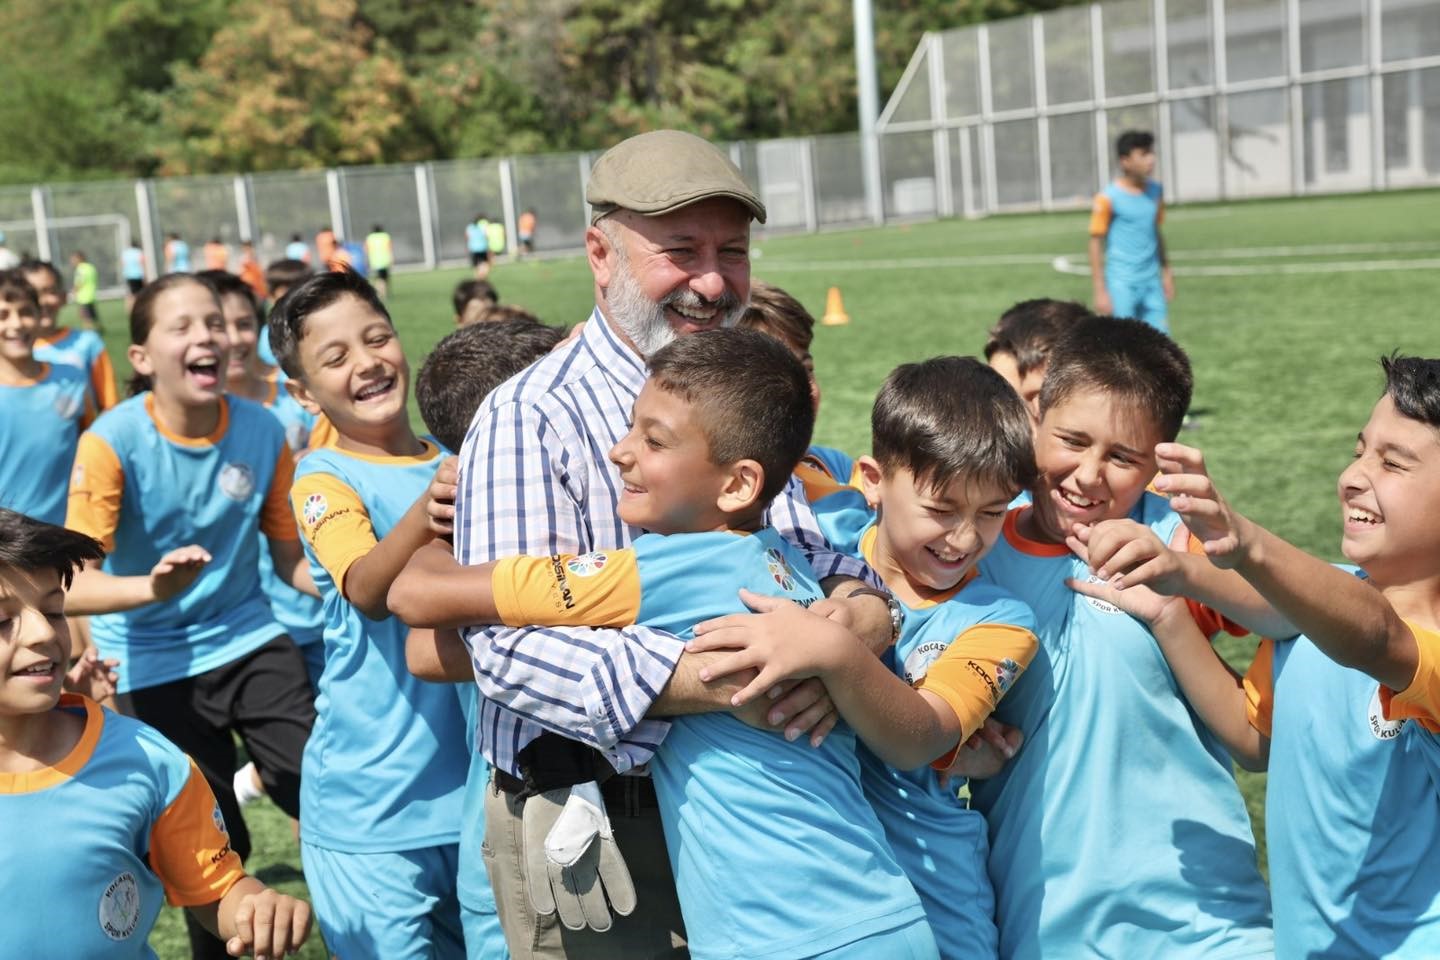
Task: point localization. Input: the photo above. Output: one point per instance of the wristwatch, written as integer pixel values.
(897, 612)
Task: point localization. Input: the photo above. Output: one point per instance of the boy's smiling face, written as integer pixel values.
(1096, 455)
(34, 640)
(669, 483)
(50, 294)
(19, 323)
(1390, 497)
(243, 329)
(355, 370)
(931, 538)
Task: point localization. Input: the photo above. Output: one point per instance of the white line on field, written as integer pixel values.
(1063, 265)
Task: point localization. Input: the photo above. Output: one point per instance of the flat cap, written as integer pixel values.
(661, 171)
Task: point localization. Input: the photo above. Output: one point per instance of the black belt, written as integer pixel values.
(623, 796)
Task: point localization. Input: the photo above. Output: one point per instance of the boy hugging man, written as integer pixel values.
(775, 851)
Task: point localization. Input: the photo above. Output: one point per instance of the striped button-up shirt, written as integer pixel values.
(535, 479)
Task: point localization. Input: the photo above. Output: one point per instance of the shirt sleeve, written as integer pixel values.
(1420, 701)
(276, 519)
(595, 686)
(791, 516)
(102, 380)
(1260, 688)
(591, 590)
(1100, 214)
(333, 520)
(189, 850)
(97, 484)
(1209, 620)
(975, 671)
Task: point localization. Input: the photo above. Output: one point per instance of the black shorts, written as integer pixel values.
(87, 310)
(134, 285)
(382, 273)
(265, 697)
(478, 258)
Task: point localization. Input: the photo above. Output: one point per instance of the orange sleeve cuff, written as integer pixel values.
(1100, 214)
(1209, 621)
(189, 849)
(974, 672)
(276, 519)
(1420, 701)
(589, 590)
(1260, 688)
(102, 378)
(97, 484)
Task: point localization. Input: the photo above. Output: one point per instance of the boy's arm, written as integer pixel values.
(1167, 276)
(278, 525)
(1100, 215)
(438, 656)
(253, 919)
(1346, 617)
(434, 590)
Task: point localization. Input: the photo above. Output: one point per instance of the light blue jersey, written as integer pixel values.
(1117, 830)
(300, 614)
(132, 263)
(143, 492)
(1130, 223)
(384, 769)
(1352, 812)
(94, 844)
(484, 939)
(179, 256)
(776, 854)
(297, 250)
(476, 239)
(40, 425)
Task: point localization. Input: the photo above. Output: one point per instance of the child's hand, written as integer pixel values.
(1140, 602)
(440, 498)
(1125, 553)
(269, 924)
(177, 570)
(985, 754)
(1193, 495)
(93, 677)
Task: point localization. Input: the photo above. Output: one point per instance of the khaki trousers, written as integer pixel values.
(655, 931)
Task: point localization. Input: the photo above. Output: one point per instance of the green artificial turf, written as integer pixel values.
(1285, 362)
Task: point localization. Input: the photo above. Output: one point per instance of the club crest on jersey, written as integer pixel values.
(1104, 606)
(779, 569)
(218, 818)
(237, 481)
(917, 664)
(1005, 673)
(313, 509)
(1381, 728)
(69, 405)
(120, 907)
(587, 564)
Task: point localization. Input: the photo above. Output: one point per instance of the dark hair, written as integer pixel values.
(1132, 140)
(35, 266)
(296, 238)
(1029, 328)
(775, 312)
(377, 228)
(469, 363)
(953, 418)
(30, 544)
(286, 273)
(227, 284)
(752, 395)
(1125, 358)
(14, 286)
(467, 290)
(287, 318)
(1413, 385)
(142, 316)
(505, 312)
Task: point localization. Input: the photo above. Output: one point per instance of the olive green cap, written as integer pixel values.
(661, 171)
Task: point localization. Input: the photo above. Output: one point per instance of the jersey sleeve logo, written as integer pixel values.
(918, 661)
(1005, 673)
(779, 569)
(1381, 728)
(218, 818)
(237, 481)
(120, 907)
(313, 509)
(587, 564)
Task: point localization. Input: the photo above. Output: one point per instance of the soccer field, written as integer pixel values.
(1284, 307)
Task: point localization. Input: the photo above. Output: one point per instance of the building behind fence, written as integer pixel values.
(1247, 98)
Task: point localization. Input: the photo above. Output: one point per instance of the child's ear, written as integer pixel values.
(139, 359)
(302, 396)
(870, 477)
(743, 483)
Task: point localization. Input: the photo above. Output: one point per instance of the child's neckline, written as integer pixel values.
(30, 781)
(42, 371)
(1027, 545)
(1130, 188)
(213, 437)
(867, 553)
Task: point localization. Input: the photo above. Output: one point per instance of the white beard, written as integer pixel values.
(643, 320)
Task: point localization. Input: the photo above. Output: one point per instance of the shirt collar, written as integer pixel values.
(618, 360)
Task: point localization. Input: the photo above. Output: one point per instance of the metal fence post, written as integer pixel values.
(143, 207)
(337, 201)
(807, 186)
(242, 209)
(507, 206)
(427, 219)
(42, 223)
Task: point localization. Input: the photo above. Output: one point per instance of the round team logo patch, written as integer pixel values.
(313, 509)
(779, 569)
(1381, 728)
(69, 405)
(218, 818)
(237, 481)
(917, 664)
(587, 564)
(1104, 606)
(120, 907)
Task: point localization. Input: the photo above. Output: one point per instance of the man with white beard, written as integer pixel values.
(668, 247)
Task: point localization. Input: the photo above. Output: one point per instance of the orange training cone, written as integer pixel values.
(835, 315)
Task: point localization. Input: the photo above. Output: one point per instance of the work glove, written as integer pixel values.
(572, 864)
